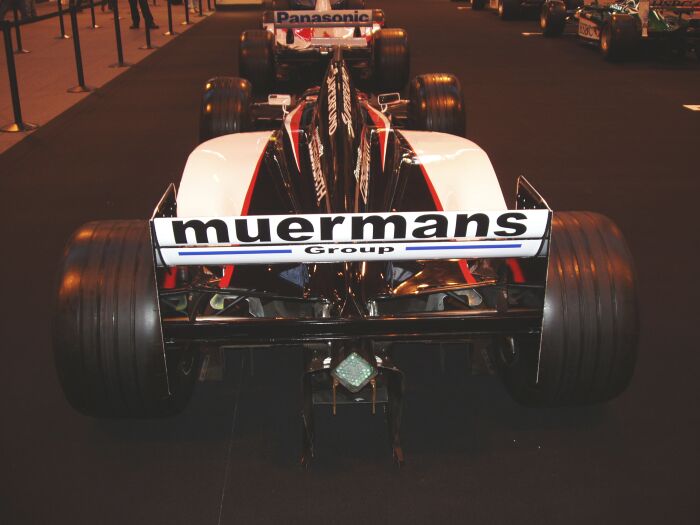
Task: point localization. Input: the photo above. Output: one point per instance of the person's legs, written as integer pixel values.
(135, 18)
(31, 6)
(4, 8)
(146, 10)
(21, 6)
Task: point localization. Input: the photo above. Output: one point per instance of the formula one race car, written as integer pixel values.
(343, 233)
(512, 9)
(621, 28)
(296, 45)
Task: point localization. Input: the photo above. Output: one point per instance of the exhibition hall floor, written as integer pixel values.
(611, 138)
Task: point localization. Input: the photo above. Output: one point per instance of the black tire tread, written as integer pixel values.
(256, 60)
(225, 107)
(107, 338)
(511, 9)
(589, 336)
(555, 13)
(437, 104)
(391, 59)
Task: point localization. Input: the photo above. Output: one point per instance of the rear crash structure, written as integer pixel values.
(341, 234)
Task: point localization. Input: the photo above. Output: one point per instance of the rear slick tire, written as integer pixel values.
(391, 60)
(108, 344)
(225, 107)
(619, 38)
(508, 9)
(437, 104)
(256, 59)
(590, 325)
(553, 18)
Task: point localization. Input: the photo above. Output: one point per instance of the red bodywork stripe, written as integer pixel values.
(294, 133)
(225, 280)
(438, 206)
(382, 130)
(516, 270)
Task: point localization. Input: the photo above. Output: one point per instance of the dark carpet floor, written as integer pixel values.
(612, 138)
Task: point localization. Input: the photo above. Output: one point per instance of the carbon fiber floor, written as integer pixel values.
(590, 135)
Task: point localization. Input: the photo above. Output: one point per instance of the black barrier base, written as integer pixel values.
(22, 51)
(17, 128)
(145, 48)
(123, 64)
(170, 33)
(81, 89)
(62, 37)
(93, 26)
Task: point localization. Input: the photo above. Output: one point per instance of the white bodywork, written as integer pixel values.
(218, 174)
(459, 170)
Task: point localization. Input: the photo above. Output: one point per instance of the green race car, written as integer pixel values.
(620, 28)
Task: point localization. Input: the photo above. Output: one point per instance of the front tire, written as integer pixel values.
(391, 60)
(437, 104)
(589, 330)
(256, 59)
(225, 107)
(108, 345)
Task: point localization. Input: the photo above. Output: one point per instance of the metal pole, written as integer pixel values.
(170, 31)
(93, 24)
(148, 39)
(18, 124)
(81, 87)
(200, 15)
(60, 20)
(187, 13)
(208, 5)
(118, 35)
(18, 35)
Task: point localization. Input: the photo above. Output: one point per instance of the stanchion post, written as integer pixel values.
(186, 22)
(18, 124)
(18, 35)
(200, 15)
(61, 25)
(93, 24)
(148, 39)
(118, 36)
(81, 87)
(209, 5)
(170, 31)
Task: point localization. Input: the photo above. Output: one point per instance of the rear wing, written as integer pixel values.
(311, 19)
(680, 7)
(334, 238)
